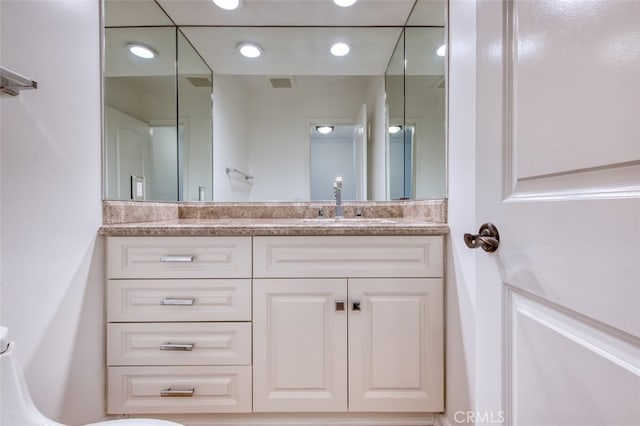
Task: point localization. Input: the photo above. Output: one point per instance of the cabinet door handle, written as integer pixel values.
(180, 301)
(177, 346)
(178, 259)
(339, 305)
(172, 393)
(355, 305)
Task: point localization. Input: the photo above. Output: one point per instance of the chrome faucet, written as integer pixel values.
(337, 191)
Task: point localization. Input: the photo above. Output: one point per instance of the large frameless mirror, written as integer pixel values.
(201, 122)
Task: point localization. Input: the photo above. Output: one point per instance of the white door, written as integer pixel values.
(127, 152)
(299, 345)
(558, 172)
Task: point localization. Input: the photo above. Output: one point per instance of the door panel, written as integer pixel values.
(127, 152)
(395, 345)
(544, 380)
(573, 77)
(575, 71)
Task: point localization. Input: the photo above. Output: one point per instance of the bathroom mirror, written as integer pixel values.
(140, 116)
(260, 147)
(416, 105)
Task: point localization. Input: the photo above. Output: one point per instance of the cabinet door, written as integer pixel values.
(396, 345)
(300, 345)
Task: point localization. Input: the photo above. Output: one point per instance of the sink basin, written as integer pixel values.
(352, 220)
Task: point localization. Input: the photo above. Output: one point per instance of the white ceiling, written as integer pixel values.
(290, 12)
(277, 12)
(296, 48)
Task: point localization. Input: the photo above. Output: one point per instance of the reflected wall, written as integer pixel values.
(416, 98)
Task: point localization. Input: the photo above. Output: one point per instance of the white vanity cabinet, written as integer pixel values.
(271, 324)
(348, 324)
(179, 330)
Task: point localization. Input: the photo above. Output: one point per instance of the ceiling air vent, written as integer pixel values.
(282, 82)
(199, 81)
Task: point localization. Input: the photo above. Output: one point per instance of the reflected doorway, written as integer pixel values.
(401, 162)
(332, 153)
(339, 150)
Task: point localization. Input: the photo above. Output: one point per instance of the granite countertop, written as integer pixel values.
(277, 226)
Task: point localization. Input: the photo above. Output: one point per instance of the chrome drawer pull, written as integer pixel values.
(185, 301)
(172, 393)
(177, 346)
(179, 259)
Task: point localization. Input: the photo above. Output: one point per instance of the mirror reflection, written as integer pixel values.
(141, 133)
(182, 132)
(416, 102)
(157, 144)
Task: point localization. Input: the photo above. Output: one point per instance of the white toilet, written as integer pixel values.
(17, 407)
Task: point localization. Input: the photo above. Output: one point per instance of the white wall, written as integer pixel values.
(265, 132)
(231, 138)
(398, 171)
(52, 274)
(279, 131)
(195, 103)
(123, 95)
(376, 112)
(425, 107)
(161, 184)
(331, 158)
(461, 279)
(1, 126)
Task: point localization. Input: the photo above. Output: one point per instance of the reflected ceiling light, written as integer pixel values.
(393, 129)
(442, 50)
(142, 51)
(344, 3)
(249, 50)
(340, 49)
(227, 4)
(324, 129)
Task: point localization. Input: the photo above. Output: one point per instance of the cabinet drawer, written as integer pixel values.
(179, 344)
(140, 390)
(179, 257)
(337, 256)
(179, 300)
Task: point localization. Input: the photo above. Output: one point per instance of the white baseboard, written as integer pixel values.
(441, 420)
(310, 419)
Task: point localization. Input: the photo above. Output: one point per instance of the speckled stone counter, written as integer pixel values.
(195, 227)
(228, 219)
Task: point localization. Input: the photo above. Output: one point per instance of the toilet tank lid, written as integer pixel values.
(4, 339)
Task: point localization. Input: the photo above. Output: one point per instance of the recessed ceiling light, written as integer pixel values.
(393, 129)
(340, 49)
(142, 51)
(249, 50)
(227, 4)
(442, 50)
(344, 3)
(324, 129)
